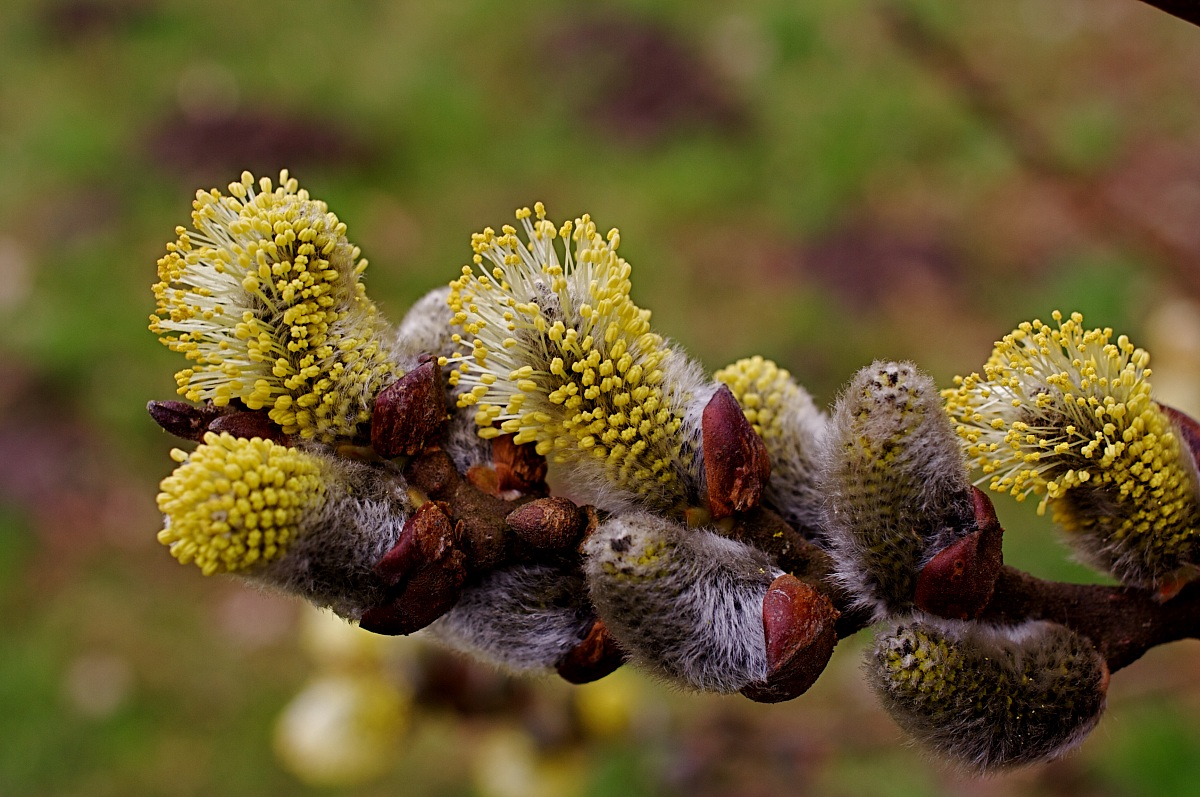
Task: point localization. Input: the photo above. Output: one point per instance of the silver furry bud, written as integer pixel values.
(896, 484)
(990, 697)
(520, 619)
(685, 604)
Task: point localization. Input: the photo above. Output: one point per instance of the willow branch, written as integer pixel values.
(1122, 622)
(1188, 10)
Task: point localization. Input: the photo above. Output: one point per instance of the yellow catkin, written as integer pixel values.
(234, 503)
(557, 353)
(1066, 413)
(264, 297)
(765, 392)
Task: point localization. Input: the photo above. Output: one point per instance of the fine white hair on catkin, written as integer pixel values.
(895, 481)
(425, 328)
(332, 558)
(519, 619)
(989, 697)
(686, 604)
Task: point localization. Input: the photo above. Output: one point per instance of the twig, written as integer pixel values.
(1188, 10)
(1123, 622)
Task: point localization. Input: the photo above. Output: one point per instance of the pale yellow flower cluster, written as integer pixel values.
(1066, 412)
(235, 503)
(765, 392)
(265, 298)
(561, 357)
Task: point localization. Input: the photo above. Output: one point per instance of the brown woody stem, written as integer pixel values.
(1188, 10)
(1123, 622)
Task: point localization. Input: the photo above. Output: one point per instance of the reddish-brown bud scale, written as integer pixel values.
(410, 413)
(736, 465)
(549, 523)
(427, 595)
(958, 582)
(518, 467)
(592, 659)
(426, 570)
(248, 425)
(799, 624)
(428, 536)
(185, 421)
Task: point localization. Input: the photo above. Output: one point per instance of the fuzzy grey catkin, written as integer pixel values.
(896, 484)
(300, 519)
(684, 604)
(425, 328)
(990, 697)
(330, 563)
(523, 618)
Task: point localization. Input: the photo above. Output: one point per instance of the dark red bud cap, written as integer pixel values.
(185, 421)
(248, 425)
(428, 594)
(736, 464)
(410, 413)
(799, 624)
(595, 657)
(428, 536)
(958, 582)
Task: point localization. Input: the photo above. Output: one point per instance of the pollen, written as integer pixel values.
(765, 392)
(562, 357)
(234, 503)
(1066, 412)
(264, 298)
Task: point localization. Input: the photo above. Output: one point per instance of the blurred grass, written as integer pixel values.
(811, 147)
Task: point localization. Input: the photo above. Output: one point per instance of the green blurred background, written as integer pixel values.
(815, 181)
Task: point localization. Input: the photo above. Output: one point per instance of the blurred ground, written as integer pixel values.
(805, 180)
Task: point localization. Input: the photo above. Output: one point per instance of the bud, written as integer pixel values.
(1066, 413)
(791, 427)
(990, 697)
(686, 604)
(185, 421)
(596, 656)
(410, 413)
(553, 524)
(736, 465)
(800, 635)
(248, 424)
(958, 582)
(896, 484)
